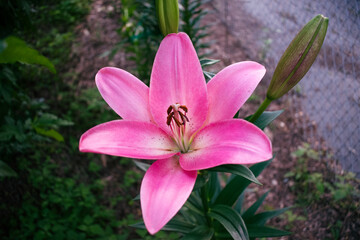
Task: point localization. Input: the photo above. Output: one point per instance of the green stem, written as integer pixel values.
(260, 110)
(205, 201)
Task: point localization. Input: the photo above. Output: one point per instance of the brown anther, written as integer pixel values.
(169, 117)
(184, 118)
(169, 110)
(179, 116)
(184, 108)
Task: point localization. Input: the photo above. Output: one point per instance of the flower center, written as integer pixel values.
(177, 120)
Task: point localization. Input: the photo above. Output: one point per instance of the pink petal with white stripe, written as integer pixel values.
(125, 94)
(230, 89)
(164, 190)
(232, 141)
(128, 139)
(177, 77)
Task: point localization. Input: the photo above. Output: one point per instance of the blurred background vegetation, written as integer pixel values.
(49, 190)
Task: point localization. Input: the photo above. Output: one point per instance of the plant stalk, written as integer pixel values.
(205, 201)
(260, 110)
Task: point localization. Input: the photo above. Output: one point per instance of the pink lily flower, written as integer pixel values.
(182, 122)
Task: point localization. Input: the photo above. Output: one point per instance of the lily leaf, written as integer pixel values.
(207, 62)
(263, 217)
(256, 231)
(208, 75)
(200, 233)
(253, 208)
(231, 192)
(265, 118)
(237, 169)
(16, 50)
(174, 225)
(143, 166)
(231, 220)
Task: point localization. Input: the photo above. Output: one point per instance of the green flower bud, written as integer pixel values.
(168, 15)
(298, 57)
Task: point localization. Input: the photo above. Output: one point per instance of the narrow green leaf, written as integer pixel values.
(239, 202)
(253, 208)
(50, 133)
(266, 118)
(238, 184)
(6, 171)
(208, 75)
(237, 169)
(263, 217)
(199, 233)
(207, 62)
(137, 197)
(264, 231)
(143, 166)
(214, 186)
(231, 220)
(16, 50)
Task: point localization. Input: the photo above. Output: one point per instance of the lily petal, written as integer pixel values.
(125, 94)
(164, 190)
(234, 141)
(177, 78)
(230, 89)
(128, 139)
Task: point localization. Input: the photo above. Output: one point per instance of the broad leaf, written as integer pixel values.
(238, 184)
(256, 231)
(6, 171)
(237, 169)
(16, 50)
(50, 133)
(265, 118)
(231, 220)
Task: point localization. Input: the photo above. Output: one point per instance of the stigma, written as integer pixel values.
(176, 120)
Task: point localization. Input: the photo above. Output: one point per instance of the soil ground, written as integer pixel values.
(98, 34)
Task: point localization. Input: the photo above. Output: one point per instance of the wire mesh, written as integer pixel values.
(331, 89)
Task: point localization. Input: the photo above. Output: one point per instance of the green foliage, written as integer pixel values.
(54, 195)
(16, 50)
(313, 186)
(292, 218)
(61, 208)
(191, 15)
(141, 35)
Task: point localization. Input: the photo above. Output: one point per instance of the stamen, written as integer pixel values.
(177, 120)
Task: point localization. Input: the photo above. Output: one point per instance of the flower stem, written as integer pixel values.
(260, 110)
(205, 200)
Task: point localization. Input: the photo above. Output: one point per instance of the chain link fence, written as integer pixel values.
(330, 92)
